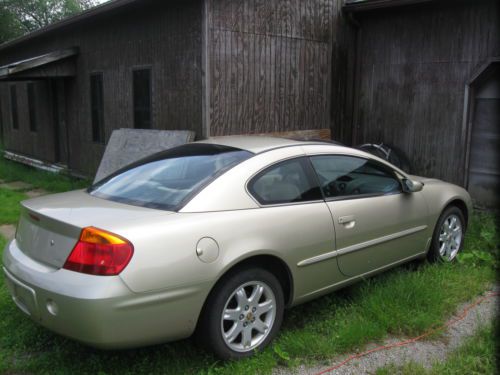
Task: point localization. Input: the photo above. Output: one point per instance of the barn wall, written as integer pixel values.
(22, 139)
(414, 65)
(270, 65)
(165, 36)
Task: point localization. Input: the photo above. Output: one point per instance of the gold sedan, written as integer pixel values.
(218, 237)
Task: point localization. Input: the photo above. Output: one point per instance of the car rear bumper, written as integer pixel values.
(100, 311)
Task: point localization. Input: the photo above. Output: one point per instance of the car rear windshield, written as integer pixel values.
(167, 180)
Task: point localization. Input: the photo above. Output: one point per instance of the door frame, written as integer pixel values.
(477, 77)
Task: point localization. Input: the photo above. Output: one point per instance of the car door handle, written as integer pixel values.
(347, 221)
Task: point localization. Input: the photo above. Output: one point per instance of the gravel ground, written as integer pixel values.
(423, 352)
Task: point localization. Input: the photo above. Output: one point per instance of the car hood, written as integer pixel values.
(426, 180)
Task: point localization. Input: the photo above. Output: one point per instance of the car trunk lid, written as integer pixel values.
(50, 226)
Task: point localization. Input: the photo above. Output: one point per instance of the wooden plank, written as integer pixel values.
(309, 134)
(273, 69)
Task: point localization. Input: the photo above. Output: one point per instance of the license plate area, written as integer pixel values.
(22, 295)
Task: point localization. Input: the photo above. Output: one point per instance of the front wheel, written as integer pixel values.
(242, 314)
(448, 238)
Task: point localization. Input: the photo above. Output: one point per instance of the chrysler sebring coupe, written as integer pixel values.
(218, 237)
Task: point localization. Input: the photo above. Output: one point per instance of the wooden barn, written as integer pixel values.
(419, 74)
(211, 66)
(428, 80)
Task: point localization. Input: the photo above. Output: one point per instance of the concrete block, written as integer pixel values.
(126, 146)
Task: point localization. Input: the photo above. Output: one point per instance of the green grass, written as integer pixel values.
(405, 301)
(9, 203)
(55, 183)
(478, 355)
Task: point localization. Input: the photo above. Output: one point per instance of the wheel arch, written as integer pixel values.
(271, 263)
(462, 206)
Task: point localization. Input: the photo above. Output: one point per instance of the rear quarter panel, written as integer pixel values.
(165, 254)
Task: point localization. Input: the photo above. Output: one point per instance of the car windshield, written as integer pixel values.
(168, 179)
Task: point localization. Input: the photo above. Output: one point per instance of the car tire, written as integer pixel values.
(242, 314)
(448, 237)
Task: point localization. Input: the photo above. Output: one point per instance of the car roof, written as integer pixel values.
(257, 144)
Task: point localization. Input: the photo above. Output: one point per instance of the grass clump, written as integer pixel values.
(9, 203)
(482, 243)
(52, 182)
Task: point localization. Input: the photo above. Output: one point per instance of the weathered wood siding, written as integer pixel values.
(270, 65)
(22, 139)
(165, 36)
(414, 65)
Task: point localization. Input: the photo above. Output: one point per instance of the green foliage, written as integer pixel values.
(482, 245)
(23, 16)
(10, 27)
(477, 355)
(282, 355)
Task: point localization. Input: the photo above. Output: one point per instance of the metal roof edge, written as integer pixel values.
(36, 61)
(363, 5)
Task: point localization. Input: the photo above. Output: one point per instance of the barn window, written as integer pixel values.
(142, 98)
(13, 107)
(32, 106)
(97, 107)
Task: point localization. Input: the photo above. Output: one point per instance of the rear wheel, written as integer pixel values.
(448, 236)
(242, 314)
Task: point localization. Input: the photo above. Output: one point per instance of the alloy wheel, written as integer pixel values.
(450, 238)
(248, 316)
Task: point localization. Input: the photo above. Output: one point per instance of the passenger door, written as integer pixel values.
(295, 222)
(376, 224)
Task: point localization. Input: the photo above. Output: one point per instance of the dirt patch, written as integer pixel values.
(36, 193)
(7, 231)
(16, 185)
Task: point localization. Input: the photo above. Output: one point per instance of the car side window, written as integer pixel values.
(287, 182)
(344, 176)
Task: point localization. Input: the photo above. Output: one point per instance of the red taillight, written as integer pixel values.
(98, 252)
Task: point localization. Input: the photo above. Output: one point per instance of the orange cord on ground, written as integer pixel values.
(464, 313)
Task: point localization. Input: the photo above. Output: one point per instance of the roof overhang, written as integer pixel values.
(50, 65)
(363, 5)
(84, 16)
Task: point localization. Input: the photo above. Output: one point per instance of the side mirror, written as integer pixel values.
(411, 186)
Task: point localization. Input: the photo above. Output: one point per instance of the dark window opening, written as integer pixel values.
(142, 98)
(97, 107)
(32, 107)
(13, 107)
